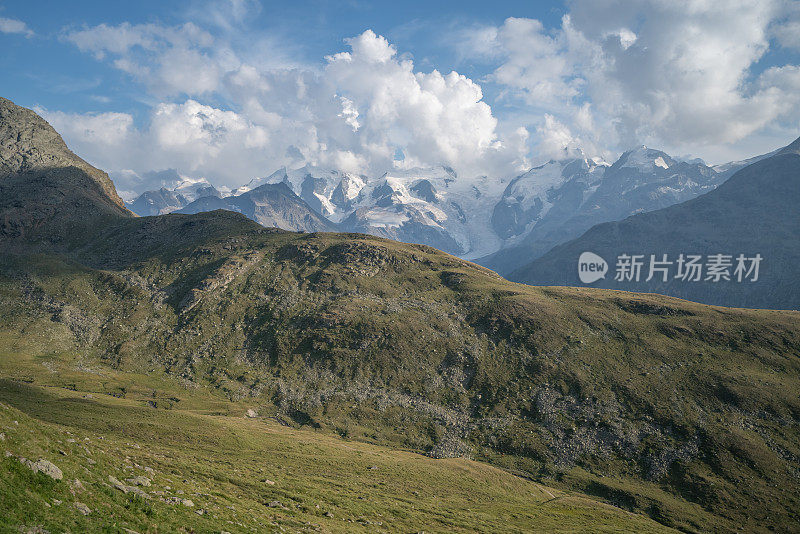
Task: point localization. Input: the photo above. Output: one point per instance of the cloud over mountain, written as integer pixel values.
(367, 109)
(716, 80)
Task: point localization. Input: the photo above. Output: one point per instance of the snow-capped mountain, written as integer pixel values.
(271, 205)
(729, 169)
(167, 200)
(499, 222)
(562, 186)
(752, 214)
(430, 206)
(330, 192)
(560, 200)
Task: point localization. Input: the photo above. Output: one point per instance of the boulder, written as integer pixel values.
(139, 481)
(46, 467)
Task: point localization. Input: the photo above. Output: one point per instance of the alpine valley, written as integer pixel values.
(202, 372)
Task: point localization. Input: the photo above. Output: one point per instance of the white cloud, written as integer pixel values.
(86, 130)
(231, 104)
(683, 75)
(15, 26)
(170, 61)
(434, 117)
(354, 114)
(786, 29)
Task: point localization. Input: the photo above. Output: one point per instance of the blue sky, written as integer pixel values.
(235, 89)
(47, 72)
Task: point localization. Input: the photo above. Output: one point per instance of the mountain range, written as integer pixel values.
(270, 205)
(166, 200)
(500, 224)
(754, 214)
(578, 194)
(682, 412)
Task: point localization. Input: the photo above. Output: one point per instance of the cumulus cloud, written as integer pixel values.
(199, 140)
(230, 104)
(170, 61)
(15, 26)
(786, 27)
(356, 113)
(683, 75)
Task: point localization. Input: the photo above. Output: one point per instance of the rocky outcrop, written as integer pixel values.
(28, 143)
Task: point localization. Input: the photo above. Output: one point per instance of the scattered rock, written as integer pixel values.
(138, 492)
(276, 504)
(91, 461)
(77, 486)
(57, 502)
(187, 502)
(82, 508)
(46, 467)
(2, 436)
(251, 413)
(129, 531)
(127, 489)
(117, 484)
(269, 482)
(329, 514)
(139, 481)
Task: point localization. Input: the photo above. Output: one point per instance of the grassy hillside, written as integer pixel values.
(684, 412)
(206, 468)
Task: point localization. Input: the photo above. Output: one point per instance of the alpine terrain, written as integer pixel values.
(560, 200)
(753, 215)
(203, 372)
(501, 224)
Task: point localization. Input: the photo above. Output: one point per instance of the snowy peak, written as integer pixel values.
(329, 192)
(645, 159)
(792, 148)
(530, 196)
(275, 178)
(193, 188)
(168, 199)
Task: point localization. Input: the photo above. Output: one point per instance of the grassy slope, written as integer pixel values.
(223, 462)
(687, 413)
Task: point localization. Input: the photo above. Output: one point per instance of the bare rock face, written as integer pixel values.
(29, 143)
